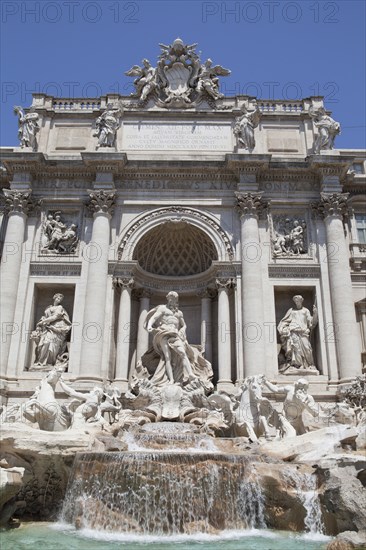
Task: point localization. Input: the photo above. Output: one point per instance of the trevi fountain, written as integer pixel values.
(183, 319)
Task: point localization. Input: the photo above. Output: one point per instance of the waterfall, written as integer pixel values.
(163, 493)
(313, 518)
(306, 487)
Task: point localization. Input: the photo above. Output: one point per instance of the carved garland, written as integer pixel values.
(179, 211)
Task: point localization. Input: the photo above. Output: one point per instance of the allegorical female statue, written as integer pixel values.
(106, 127)
(28, 127)
(294, 330)
(51, 333)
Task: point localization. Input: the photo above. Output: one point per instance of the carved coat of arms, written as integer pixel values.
(179, 80)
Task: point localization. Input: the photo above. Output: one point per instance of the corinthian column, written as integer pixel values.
(142, 334)
(18, 205)
(101, 206)
(124, 331)
(333, 207)
(250, 206)
(224, 334)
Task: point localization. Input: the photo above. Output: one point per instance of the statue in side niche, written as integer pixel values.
(28, 127)
(327, 127)
(51, 334)
(294, 330)
(106, 127)
(172, 359)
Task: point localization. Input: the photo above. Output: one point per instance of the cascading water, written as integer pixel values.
(313, 519)
(306, 485)
(173, 437)
(162, 493)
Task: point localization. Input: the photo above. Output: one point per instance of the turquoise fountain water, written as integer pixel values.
(188, 494)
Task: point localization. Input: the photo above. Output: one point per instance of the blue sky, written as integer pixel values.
(273, 48)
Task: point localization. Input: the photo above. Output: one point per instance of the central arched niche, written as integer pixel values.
(175, 249)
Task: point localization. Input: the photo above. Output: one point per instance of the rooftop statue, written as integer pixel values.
(106, 127)
(28, 127)
(145, 83)
(179, 80)
(327, 127)
(244, 127)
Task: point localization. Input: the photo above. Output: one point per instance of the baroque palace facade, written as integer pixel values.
(235, 203)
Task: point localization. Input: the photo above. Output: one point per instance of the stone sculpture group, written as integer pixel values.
(179, 80)
(57, 237)
(290, 237)
(173, 382)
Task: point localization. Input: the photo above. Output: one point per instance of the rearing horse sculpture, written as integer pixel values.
(43, 408)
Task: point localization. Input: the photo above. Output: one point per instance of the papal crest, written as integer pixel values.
(179, 80)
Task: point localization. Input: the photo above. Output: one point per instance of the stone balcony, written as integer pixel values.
(358, 256)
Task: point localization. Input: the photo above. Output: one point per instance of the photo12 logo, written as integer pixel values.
(270, 12)
(70, 12)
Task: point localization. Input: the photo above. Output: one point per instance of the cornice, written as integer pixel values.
(232, 168)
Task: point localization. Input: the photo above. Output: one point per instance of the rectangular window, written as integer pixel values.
(357, 167)
(361, 227)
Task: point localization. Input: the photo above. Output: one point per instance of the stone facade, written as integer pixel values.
(237, 204)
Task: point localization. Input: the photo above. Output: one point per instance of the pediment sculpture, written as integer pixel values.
(180, 80)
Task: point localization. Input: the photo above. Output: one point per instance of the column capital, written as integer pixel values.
(140, 293)
(123, 283)
(101, 201)
(20, 201)
(208, 293)
(225, 283)
(332, 204)
(250, 204)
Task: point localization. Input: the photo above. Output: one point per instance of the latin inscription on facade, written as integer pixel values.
(190, 136)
